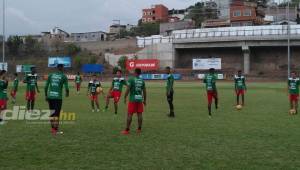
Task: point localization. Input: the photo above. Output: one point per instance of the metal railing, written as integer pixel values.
(213, 34)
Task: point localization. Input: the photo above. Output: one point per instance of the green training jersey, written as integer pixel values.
(170, 82)
(240, 83)
(78, 79)
(293, 84)
(210, 81)
(54, 85)
(136, 87)
(93, 85)
(16, 84)
(31, 81)
(3, 89)
(118, 83)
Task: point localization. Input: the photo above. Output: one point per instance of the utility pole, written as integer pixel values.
(119, 26)
(3, 36)
(289, 39)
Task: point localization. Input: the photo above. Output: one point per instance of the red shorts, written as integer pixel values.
(30, 95)
(3, 103)
(94, 97)
(240, 92)
(116, 95)
(13, 93)
(135, 107)
(211, 95)
(77, 85)
(294, 97)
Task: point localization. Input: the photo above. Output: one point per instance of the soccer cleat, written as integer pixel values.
(93, 110)
(98, 110)
(125, 132)
(2, 122)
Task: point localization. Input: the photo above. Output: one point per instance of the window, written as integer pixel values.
(143, 20)
(153, 12)
(145, 13)
(247, 13)
(153, 18)
(149, 19)
(237, 13)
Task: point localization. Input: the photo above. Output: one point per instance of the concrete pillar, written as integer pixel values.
(246, 55)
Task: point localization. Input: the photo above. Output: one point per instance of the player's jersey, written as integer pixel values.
(16, 84)
(93, 85)
(293, 84)
(136, 87)
(31, 81)
(240, 83)
(3, 90)
(118, 83)
(210, 81)
(78, 79)
(54, 85)
(170, 82)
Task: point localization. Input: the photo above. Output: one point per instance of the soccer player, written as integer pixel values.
(170, 91)
(293, 87)
(31, 89)
(115, 90)
(14, 90)
(240, 87)
(136, 90)
(53, 94)
(3, 93)
(78, 80)
(92, 92)
(211, 88)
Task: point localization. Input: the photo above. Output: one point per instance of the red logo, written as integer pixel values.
(144, 64)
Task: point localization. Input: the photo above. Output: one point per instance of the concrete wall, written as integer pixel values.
(162, 52)
(269, 61)
(100, 46)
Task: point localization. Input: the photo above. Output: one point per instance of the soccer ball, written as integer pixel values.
(239, 107)
(99, 90)
(292, 111)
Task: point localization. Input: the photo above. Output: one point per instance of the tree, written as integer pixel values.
(293, 3)
(200, 12)
(14, 44)
(122, 63)
(72, 49)
(145, 29)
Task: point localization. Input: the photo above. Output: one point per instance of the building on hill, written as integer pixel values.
(38, 38)
(116, 28)
(246, 14)
(167, 28)
(88, 36)
(275, 14)
(157, 13)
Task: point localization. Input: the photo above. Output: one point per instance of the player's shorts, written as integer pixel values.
(3, 104)
(77, 85)
(211, 95)
(135, 107)
(240, 92)
(294, 97)
(13, 93)
(94, 97)
(116, 95)
(30, 95)
(55, 107)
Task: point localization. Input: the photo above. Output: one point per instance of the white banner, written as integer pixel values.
(3, 66)
(18, 68)
(219, 76)
(207, 63)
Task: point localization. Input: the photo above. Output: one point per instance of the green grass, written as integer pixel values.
(261, 136)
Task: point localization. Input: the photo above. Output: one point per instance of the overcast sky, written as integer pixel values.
(35, 16)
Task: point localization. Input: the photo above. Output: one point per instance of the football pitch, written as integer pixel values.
(260, 136)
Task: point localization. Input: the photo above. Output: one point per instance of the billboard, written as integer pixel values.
(144, 64)
(54, 61)
(92, 68)
(207, 63)
(3, 66)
